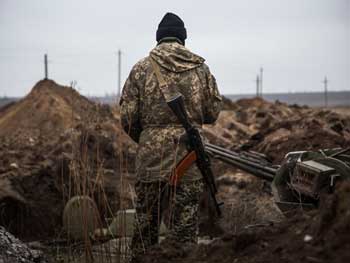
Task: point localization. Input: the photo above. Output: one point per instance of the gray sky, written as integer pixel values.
(297, 42)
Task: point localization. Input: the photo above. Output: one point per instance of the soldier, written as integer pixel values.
(148, 120)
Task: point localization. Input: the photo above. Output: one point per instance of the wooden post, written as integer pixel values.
(119, 74)
(325, 82)
(46, 67)
(261, 81)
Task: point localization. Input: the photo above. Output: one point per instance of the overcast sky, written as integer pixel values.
(297, 42)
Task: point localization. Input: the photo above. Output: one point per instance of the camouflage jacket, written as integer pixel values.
(148, 120)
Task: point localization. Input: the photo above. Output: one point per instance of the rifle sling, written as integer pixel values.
(180, 169)
(160, 78)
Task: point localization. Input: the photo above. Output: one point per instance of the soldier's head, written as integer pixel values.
(171, 27)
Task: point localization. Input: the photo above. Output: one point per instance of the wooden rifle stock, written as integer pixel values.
(182, 167)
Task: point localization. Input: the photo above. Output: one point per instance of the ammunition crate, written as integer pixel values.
(310, 177)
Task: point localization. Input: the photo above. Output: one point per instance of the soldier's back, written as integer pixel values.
(161, 142)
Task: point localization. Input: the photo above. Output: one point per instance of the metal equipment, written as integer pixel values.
(301, 178)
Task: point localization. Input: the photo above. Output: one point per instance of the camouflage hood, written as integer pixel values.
(175, 57)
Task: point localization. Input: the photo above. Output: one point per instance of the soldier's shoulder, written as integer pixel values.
(204, 69)
(140, 69)
(142, 64)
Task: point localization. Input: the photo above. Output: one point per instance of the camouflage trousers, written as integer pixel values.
(181, 206)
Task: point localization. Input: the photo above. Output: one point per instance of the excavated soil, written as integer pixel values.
(318, 236)
(55, 144)
(277, 128)
(253, 229)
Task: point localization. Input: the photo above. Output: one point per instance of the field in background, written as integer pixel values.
(312, 99)
(5, 100)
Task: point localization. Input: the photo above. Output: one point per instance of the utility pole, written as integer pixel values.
(257, 85)
(46, 67)
(119, 73)
(325, 83)
(261, 81)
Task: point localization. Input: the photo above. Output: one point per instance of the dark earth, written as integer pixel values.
(55, 144)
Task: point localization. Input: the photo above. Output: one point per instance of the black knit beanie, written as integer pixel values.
(171, 26)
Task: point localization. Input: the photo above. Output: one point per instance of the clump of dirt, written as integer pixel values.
(312, 130)
(15, 251)
(227, 131)
(55, 144)
(259, 114)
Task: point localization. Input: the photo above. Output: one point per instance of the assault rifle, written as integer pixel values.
(196, 152)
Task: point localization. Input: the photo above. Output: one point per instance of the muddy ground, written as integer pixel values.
(55, 144)
(317, 236)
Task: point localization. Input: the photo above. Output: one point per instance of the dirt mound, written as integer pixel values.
(319, 236)
(259, 114)
(45, 110)
(312, 130)
(240, 120)
(227, 131)
(277, 128)
(48, 110)
(55, 144)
